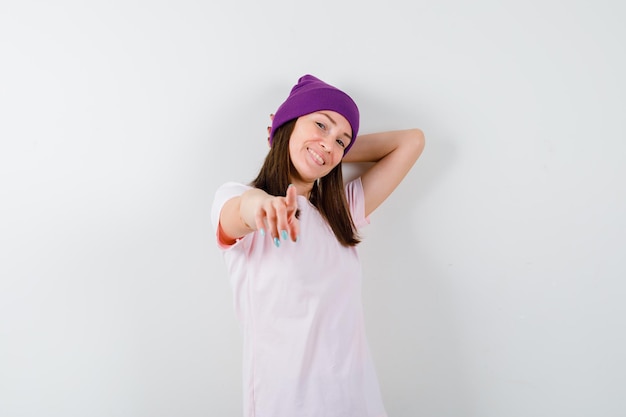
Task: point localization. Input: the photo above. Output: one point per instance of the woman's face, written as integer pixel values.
(317, 143)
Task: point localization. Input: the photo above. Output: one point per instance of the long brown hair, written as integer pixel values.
(328, 193)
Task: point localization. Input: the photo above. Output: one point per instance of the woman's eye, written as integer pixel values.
(340, 142)
(321, 125)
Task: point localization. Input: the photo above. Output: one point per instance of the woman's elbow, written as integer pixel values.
(416, 140)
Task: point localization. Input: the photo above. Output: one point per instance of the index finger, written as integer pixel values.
(291, 197)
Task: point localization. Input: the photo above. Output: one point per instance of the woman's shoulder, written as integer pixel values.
(228, 190)
(223, 193)
(354, 188)
(233, 184)
(356, 202)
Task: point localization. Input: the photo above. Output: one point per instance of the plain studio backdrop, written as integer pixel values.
(494, 277)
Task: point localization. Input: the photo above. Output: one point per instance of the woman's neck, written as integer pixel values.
(304, 188)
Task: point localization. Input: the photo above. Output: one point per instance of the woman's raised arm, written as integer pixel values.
(393, 154)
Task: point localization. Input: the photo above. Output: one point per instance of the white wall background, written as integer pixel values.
(494, 276)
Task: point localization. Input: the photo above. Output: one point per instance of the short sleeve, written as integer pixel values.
(356, 202)
(224, 193)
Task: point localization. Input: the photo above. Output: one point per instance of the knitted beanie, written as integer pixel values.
(311, 94)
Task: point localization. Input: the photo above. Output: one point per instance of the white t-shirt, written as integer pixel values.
(305, 348)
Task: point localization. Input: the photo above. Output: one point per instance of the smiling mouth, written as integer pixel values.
(316, 156)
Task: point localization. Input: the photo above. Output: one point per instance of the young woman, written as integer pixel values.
(289, 242)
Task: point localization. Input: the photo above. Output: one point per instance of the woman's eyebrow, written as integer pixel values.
(335, 123)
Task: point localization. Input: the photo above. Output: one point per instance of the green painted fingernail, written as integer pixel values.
(277, 242)
(284, 233)
(262, 231)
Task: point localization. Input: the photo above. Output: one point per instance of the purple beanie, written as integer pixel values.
(311, 94)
